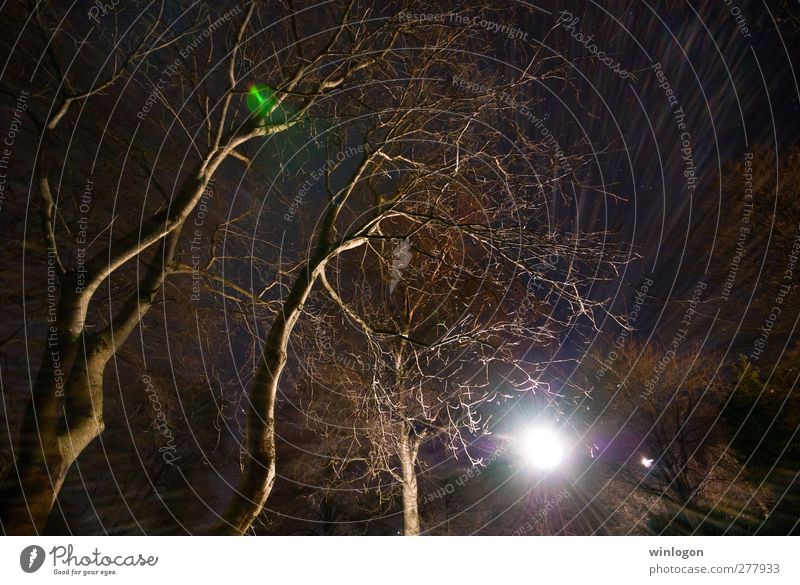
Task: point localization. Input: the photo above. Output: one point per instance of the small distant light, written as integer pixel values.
(647, 462)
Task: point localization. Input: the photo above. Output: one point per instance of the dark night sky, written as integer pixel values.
(736, 92)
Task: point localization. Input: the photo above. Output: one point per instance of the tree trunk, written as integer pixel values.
(28, 496)
(29, 489)
(408, 449)
(56, 430)
(258, 475)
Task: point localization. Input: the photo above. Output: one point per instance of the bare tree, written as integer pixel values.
(208, 107)
(407, 146)
(433, 318)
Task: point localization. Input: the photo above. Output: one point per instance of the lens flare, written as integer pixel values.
(260, 99)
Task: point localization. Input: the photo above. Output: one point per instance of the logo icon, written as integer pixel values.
(31, 558)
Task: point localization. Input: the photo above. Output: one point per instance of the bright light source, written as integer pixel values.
(647, 462)
(542, 448)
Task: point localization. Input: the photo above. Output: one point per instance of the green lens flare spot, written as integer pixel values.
(261, 99)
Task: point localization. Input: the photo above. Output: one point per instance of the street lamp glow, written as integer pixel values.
(647, 462)
(542, 448)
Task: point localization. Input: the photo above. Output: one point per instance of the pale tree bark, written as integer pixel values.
(56, 430)
(29, 500)
(258, 475)
(65, 411)
(408, 449)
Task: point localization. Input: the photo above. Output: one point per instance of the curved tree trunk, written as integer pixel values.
(60, 423)
(28, 491)
(65, 411)
(258, 475)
